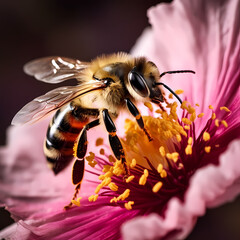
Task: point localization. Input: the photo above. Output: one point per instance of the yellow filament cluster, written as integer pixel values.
(93, 198)
(121, 197)
(173, 156)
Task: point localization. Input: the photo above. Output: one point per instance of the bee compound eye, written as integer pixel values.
(138, 83)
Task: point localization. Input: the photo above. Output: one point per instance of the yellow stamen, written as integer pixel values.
(217, 123)
(207, 149)
(149, 106)
(93, 198)
(213, 116)
(162, 151)
(210, 107)
(187, 127)
(124, 195)
(200, 115)
(197, 104)
(206, 136)
(225, 109)
(99, 142)
(175, 156)
(157, 187)
(160, 168)
(224, 123)
(188, 150)
(111, 159)
(179, 138)
(130, 178)
(113, 186)
(193, 117)
(128, 205)
(163, 173)
(190, 141)
(133, 163)
(75, 202)
(186, 121)
(145, 172)
(142, 180)
(158, 111)
(170, 96)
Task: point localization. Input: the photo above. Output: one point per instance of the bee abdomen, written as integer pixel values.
(61, 136)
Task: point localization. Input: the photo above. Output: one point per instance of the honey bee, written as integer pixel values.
(105, 86)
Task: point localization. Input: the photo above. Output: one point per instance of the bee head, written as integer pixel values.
(142, 81)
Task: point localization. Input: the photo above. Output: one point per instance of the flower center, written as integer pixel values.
(159, 169)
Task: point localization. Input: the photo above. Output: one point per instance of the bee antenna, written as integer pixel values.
(177, 71)
(170, 90)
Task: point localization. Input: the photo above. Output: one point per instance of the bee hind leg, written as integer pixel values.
(80, 150)
(114, 141)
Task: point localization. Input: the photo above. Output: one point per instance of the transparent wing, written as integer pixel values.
(54, 69)
(45, 104)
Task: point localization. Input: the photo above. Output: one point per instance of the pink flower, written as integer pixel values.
(193, 163)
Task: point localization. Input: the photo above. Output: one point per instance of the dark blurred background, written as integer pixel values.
(80, 29)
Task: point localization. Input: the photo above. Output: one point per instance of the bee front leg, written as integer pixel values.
(134, 111)
(80, 150)
(114, 141)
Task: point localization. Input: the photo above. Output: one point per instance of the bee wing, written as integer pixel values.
(45, 104)
(54, 69)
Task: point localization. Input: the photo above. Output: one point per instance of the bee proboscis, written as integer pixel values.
(105, 86)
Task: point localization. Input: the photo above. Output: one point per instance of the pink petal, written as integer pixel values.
(209, 187)
(199, 36)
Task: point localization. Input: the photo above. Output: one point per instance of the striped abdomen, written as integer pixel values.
(62, 133)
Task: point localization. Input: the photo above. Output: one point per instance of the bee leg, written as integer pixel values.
(134, 111)
(80, 152)
(114, 141)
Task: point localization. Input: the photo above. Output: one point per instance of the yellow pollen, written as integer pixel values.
(124, 195)
(133, 163)
(207, 149)
(158, 111)
(99, 142)
(193, 116)
(146, 172)
(118, 168)
(76, 202)
(128, 205)
(93, 198)
(111, 159)
(159, 168)
(179, 138)
(75, 149)
(200, 115)
(191, 109)
(179, 91)
(190, 140)
(217, 123)
(138, 116)
(225, 109)
(188, 150)
(184, 105)
(197, 104)
(186, 121)
(157, 187)
(149, 106)
(90, 157)
(170, 96)
(224, 123)
(162, 151)
(113, 186)
(163, 173)
(206, 136)
(187, 127)
(210, 107)
(213, 116)
(129, 179)
(102, 151)
(142, 180)
(180, 166)
(175, 156)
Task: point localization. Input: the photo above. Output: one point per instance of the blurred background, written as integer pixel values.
(79, 29)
